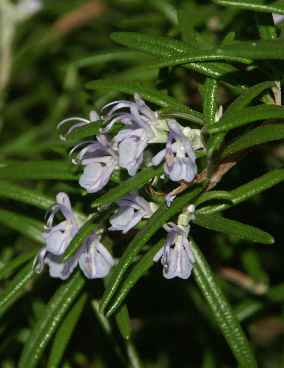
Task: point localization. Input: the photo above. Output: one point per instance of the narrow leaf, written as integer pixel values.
(248, 96)
(168, 47)
(134, 183)
(247, 309)
(11, 266)
(86, 230)
(263, 134)
(110, 56)
(37, 170)
(255, 5)
(209, 102)
(222, 311)
(123, 322)
(248, 190)
(45, 327)
(232, 227)
(214, 195)
(83, 132)
(65, 332)
(235, 119)
(18, 193)
(134, 276)
(16, 288)
(22, 224)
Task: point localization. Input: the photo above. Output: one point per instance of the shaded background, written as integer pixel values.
(53, 55)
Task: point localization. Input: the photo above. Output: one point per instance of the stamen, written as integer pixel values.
(77, 161)
(81, 122)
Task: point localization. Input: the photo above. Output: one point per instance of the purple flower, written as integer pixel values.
(277, 18)
(99, 160)
(176, 255)
(93, 258)
(130, 144)
(132, 209)
(142, 126)
(179, 156)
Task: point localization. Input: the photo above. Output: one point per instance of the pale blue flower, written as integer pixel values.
(277, 18)
(130, 144)
(93, 258)
(176, 255)
(99, 160)
(178, 155)
(132, 209)
(142, 126)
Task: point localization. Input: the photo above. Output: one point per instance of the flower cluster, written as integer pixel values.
(142, 127)
(93, 258)
(127, 148)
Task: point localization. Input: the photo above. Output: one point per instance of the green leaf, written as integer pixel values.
(232, 227)
(16, 288)
(37, 170)
(262, 134)
(222, 310)
(134, 276)
(209, 101)
(235, 119)
(248, 190)
(10, 267)
(24, 225)
(65, 332)
(167, 47)
(134, 183)
(248, 96)
(254, 50)
(110, 56)
(28, 196)
(276, 293)
(265, 25)
(86, 230)
(18, 193)
(148, 93)
(199, 56)
(247, 308)
(45, 327)
(214, 195)
(108, 330)
(123, 322)
(159, 218)
(90, 130)
(255, 5)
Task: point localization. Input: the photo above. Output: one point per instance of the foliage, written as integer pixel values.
(213, 65)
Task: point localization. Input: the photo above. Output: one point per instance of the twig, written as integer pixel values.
(78, 17)
(243, 280)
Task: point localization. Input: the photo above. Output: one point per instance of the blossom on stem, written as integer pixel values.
(142, 126)
(93, 258)
(99, 160)
(176, 255)
(130, 144)
(178, 155)
(277, 18)
(132, 209)
(138, 115)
